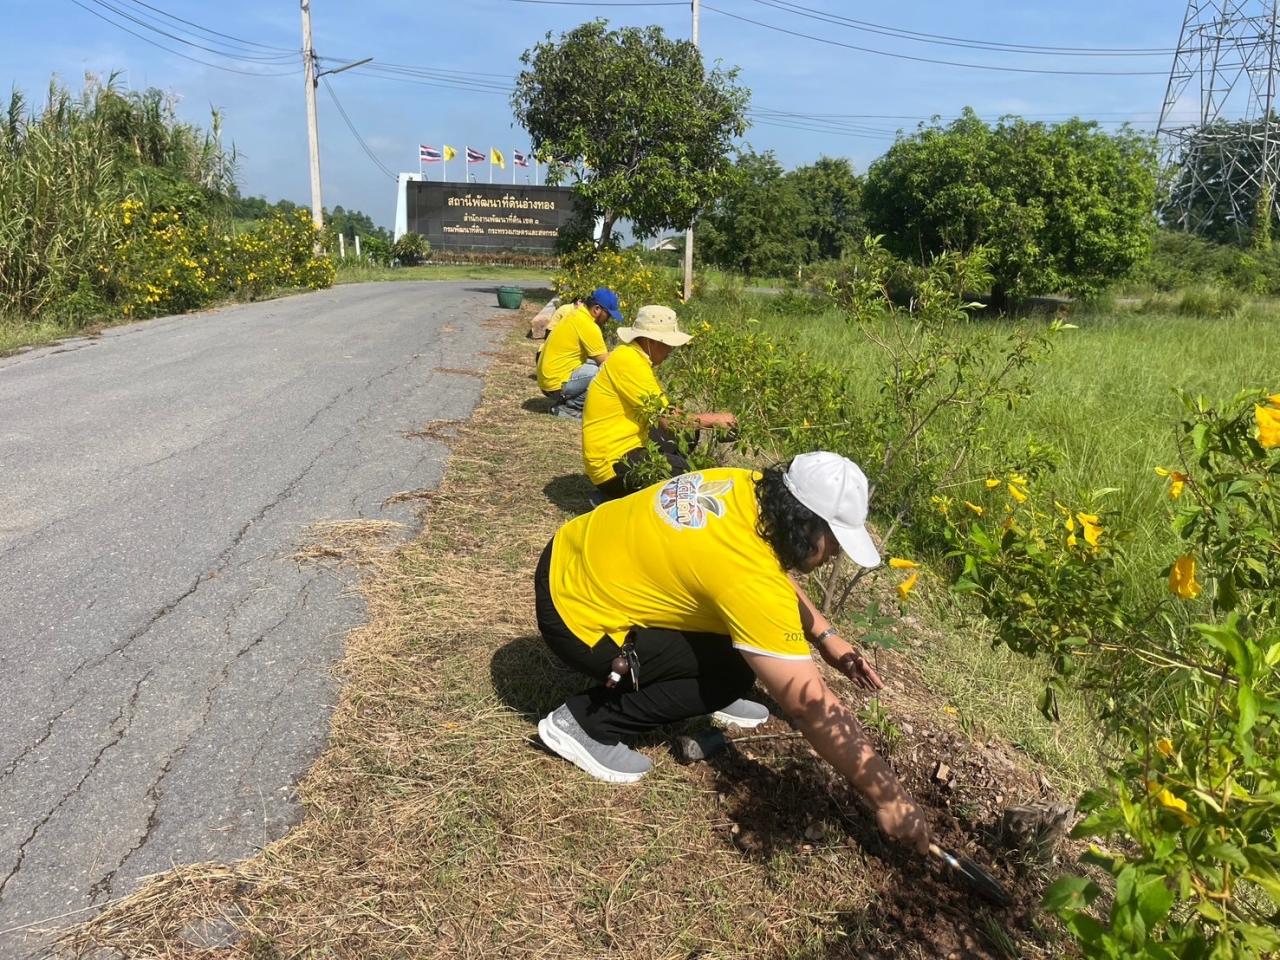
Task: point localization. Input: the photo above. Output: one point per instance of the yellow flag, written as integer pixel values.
(495, 156)
(449, 153)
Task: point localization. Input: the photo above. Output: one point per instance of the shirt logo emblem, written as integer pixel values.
(687, 500)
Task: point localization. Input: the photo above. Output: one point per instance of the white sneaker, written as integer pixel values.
(613, 764)
(746, 714)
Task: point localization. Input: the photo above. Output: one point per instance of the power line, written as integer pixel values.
(227, 36)
(354, 132)
(606, 3)
(945, 63)
(148, 25)
(944, 40)
(177, 53)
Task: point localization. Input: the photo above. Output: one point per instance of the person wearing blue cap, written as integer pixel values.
(574, 351)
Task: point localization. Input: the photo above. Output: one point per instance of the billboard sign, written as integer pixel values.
(487, 216)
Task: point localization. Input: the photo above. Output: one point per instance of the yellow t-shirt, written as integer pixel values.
(613, 422)
(562, 311)
(680, 555)
(575, 339)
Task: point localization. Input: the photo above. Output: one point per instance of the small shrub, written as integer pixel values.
(622, 271)
(411, 249)
(376, 250)
(1189, 688)
(1211, 303)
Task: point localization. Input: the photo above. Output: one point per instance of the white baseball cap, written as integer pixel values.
(835, 488)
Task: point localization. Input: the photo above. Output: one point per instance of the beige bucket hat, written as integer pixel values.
(656, 323)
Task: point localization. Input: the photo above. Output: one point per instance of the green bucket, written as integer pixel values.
(510, 298)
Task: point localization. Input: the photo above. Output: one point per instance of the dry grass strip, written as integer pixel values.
(435, 826)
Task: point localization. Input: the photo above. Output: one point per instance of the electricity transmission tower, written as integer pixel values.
(1219, 136)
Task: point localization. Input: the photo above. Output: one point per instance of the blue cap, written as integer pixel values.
(609, 300)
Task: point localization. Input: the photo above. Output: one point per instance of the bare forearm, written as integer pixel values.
(832, 647)
(840, 740)
(676, 420)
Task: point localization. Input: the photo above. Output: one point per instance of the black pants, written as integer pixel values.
(682, 675)
(623, 482)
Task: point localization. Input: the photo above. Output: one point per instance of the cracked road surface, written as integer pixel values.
(165, 667)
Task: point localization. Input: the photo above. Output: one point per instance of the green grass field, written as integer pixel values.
(1104, 398)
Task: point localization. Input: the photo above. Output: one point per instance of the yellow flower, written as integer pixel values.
(1090, 527)
(1165, 746)
(1017, 493)
(1072, 541)
(1175, 805)
(1018, 478)
(974, 507)
(1182, 578)
(1268, 420)
(907, 585)
(1177, 479)
(992, 483)
(898, 563)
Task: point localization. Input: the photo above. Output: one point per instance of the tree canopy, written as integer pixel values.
(768, 223)
(653, 127)
(1066, 207)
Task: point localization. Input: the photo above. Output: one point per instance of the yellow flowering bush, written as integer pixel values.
(1189, 687)
(168, 262)
(622, 271)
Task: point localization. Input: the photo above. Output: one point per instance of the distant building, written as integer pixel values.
(668, 244)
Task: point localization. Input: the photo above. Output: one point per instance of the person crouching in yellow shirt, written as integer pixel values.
(615, 427)
(687, 582)
(574, 351)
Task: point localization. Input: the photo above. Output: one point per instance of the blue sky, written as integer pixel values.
(807, 91)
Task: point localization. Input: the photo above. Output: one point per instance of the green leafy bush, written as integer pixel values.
(411, 249)
(1179, 260)
(622, 271)
(1189, 686)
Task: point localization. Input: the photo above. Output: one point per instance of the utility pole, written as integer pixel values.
(311, 78)
(313, 129)
(688, 234)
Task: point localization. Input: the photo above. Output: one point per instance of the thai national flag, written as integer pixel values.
(520, 159)
(475, 156)
(428, 154)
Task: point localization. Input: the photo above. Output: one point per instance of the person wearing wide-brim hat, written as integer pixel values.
(621, 401)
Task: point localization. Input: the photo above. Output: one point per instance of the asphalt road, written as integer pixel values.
(165, 666)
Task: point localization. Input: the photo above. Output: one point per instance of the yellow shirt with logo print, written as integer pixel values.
(679, 555)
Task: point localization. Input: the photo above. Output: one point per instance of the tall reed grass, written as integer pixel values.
(65, 167)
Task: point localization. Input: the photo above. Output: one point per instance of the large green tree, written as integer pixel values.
(768, 223)
(652, 125)
(1066, 207)
(830, 199)
(754, 226)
